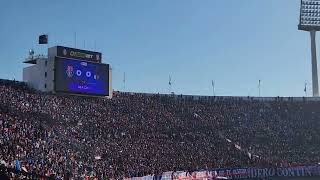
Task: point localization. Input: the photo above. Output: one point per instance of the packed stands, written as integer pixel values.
(136, 134)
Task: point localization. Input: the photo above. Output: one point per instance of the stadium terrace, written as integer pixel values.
(158, 136)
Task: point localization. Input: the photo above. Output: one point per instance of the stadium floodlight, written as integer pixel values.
(309, 15)
(310, 21)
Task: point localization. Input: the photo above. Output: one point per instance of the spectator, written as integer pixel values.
(138, 134)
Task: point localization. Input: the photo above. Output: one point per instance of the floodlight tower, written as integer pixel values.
(310, 21)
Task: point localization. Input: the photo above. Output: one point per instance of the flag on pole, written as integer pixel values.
(43, 39)
(124, 81)
(169, 80)
(124, 77)
(212, 83)
(305, 87)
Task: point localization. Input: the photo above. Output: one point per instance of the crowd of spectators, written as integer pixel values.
(136, 134)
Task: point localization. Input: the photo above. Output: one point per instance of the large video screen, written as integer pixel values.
(81, 77)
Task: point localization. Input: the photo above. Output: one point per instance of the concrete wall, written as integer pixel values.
(40, 75)
(31, 75)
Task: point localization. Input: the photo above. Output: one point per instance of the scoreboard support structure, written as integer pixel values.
(69, 71)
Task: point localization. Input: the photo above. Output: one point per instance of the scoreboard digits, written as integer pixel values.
(81, 77)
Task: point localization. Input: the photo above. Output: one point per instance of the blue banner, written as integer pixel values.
(18, 165)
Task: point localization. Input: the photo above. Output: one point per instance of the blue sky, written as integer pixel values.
(233, 42)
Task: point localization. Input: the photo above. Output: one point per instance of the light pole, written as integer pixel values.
(310, 21)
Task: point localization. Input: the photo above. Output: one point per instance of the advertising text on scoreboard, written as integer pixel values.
(79, 54)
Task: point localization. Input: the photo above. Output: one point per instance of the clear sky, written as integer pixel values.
(233, 42)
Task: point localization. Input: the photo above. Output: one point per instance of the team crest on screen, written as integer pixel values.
(64, 52)
(69, 71)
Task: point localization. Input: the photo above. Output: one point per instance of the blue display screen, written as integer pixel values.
(81, 77)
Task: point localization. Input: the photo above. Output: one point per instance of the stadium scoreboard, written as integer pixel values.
(79, 71)
(69, 71)
(81, 77)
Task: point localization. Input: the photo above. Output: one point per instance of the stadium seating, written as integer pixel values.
(137, 134)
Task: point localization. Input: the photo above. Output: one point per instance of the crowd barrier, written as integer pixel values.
(238, 173)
